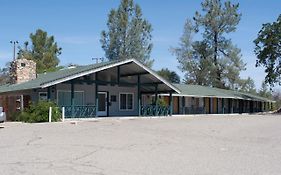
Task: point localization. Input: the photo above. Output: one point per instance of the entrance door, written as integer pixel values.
(176, 105)
(102, 107)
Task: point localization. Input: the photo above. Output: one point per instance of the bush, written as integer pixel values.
(14, 115)
(161, 102)
(39, 112)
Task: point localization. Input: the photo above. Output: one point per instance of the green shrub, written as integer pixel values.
(14, 115)
(161, 102)
(39, 112)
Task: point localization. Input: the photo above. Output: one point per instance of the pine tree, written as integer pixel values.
(44, 51)
(265, 91)
(213, 60)
(194, 57)
(128, 35)
(246, 85)
(169, 75)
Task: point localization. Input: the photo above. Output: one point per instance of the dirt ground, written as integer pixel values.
(236, 144)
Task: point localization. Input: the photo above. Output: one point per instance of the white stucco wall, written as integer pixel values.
(116, 90)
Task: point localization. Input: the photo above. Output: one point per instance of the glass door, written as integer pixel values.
(102, 107)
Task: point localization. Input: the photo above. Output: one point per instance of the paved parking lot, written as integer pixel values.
(247, 144)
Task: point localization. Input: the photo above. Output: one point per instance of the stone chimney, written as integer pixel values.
(22, 70)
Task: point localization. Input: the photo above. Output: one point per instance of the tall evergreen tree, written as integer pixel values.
(276, 96)
(265, 91)
(194, 57)
(246, 85)
(44, 51)
(128, 35)
(169, 75)
(214, 60)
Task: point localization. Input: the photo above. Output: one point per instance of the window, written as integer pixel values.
(43, 96)
(126, 101)
(64, 98)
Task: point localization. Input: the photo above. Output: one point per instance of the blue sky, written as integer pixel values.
(77, 24)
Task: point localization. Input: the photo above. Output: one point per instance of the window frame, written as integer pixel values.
(39, 95)
(119, 100)
(83, 95)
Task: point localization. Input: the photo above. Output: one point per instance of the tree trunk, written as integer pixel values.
(218, 74)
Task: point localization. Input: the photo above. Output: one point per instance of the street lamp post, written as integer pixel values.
(14, 43)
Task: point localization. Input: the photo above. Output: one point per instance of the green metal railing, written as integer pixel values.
(154, 110)
(87, 111)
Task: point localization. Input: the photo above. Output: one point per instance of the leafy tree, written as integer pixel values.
(4, 74)
(277, 97)
(44, 51)
(171, 76)
(128, 35)
(265, 91)
(268, 51)
(214, 60)
(247, 85)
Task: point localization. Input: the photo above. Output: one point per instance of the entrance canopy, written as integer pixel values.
(133, 73)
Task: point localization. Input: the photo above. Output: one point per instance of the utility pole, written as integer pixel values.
(15, 43)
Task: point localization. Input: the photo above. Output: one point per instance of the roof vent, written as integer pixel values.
(71, 67)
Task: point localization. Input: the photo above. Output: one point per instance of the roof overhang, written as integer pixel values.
(120, 63)
(217, 96)
(210, 96)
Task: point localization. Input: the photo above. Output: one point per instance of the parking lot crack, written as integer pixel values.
(34, 139)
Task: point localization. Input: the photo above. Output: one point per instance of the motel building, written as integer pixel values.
(119, 88)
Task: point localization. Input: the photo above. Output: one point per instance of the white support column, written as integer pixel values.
(21, 103)
(50, 114)
(62, 114)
